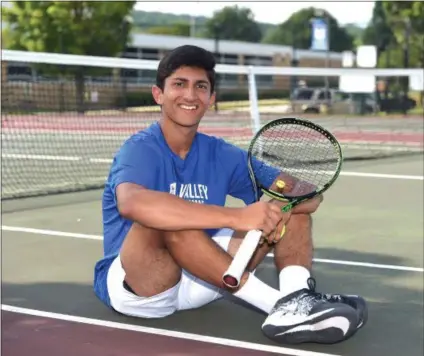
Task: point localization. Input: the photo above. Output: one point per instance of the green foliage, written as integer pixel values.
(75, 27)
(233, 23)
(146, 21)
(356, 33)
(178, 29)
(407, 22)
(297, 30)
(379, 31)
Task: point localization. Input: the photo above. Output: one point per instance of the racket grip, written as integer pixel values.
(232, 276)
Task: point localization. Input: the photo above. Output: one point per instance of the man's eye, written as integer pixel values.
(178, 84)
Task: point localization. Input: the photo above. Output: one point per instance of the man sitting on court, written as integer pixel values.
(168, 237)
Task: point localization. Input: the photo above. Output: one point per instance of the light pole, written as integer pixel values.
(294, 63)
(125, 33)
(322, 14)
(406, 64)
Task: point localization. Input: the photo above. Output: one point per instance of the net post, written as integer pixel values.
(253, 100)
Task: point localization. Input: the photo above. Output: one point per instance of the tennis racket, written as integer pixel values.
(289, 160)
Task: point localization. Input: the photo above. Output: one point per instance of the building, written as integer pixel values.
(154, 47)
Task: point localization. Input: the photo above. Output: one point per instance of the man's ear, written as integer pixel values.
(157, 94)
(212, 99)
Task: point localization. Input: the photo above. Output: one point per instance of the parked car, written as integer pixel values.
(319, 100)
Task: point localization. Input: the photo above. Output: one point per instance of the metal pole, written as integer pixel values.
(327, 58)
(217, 61)
(294, 63)
(406, 65)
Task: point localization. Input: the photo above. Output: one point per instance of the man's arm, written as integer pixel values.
(168, 212)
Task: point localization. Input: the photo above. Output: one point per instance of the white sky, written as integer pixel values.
(265, 11)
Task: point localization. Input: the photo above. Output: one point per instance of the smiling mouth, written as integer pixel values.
(188, 107)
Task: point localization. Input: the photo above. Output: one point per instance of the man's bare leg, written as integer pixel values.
(300, 311)
(296, 246)
(149, 268)
(293, 254)
(153, 261)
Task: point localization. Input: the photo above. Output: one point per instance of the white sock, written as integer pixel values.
(258, 294)
(293, 278)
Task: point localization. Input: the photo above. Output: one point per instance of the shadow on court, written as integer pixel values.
(395, 310)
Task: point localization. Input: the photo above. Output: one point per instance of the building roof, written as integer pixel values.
(165, 42)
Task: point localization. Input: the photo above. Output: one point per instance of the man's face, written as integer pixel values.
(186, 96)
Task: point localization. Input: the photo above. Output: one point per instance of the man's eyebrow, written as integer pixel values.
(186, 80)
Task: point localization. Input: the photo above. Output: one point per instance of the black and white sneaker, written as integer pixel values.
(307, 316)
(355, 301)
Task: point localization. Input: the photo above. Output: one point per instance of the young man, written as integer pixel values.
(168, 237)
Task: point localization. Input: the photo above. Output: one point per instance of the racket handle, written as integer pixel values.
(232, 276)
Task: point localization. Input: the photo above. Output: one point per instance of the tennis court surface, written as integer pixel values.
(368, 237)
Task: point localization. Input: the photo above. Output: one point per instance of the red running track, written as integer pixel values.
(27, 335)
(110, 124)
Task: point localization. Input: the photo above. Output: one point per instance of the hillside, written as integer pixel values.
(144, 20)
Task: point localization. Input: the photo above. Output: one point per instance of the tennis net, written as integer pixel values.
(64, 117)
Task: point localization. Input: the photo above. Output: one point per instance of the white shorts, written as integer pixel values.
(189, 293)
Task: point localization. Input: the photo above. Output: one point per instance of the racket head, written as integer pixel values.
(308, 155)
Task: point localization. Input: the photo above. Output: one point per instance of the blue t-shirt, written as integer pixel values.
(211, 170)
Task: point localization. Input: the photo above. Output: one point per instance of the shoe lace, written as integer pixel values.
(319, 296)
(304, 302)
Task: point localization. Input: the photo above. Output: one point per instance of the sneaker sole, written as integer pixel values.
(361, 307)
(315, 334)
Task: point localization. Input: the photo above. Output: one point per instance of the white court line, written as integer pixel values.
(365, 264)
(51, 232)
(381, 175)
(318, 260)
(40, 157)
(56, 158)
(163, 332)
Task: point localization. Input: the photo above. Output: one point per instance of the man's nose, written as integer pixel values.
(190, 93)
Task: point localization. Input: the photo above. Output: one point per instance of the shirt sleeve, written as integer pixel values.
(240, 184)
(136, 162)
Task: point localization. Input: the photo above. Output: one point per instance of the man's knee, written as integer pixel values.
(149, 268)
(175, 238)
(300, 219)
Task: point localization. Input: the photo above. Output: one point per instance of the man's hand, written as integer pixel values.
(264, 216)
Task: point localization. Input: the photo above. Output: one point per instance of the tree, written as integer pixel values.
(407, 22)
(75, 27)
(178, 29)
(296, 31)
(233, 23)
(378, 31)
(356, 32)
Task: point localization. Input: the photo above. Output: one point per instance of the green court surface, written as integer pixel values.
(368, 237)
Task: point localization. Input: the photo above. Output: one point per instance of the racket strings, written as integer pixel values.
(299, 151)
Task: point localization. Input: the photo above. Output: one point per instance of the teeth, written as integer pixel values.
(188, 107)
